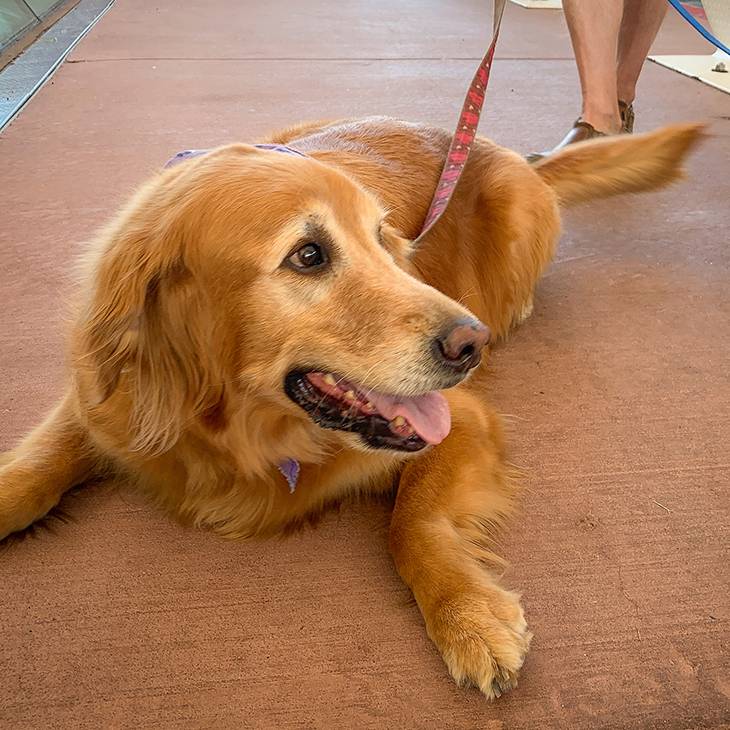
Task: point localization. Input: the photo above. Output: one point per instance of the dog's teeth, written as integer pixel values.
(350, 395)
(330, 379)
(368, 407)
(399, 421)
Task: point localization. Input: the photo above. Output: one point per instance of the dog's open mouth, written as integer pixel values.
(383, 421)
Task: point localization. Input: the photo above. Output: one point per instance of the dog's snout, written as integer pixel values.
(460, 347)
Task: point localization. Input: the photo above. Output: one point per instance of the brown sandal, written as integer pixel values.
(580, 132)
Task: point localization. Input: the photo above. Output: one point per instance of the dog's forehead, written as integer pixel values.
(294, 183)
(360, 219)
(333, 194)
(274, 199)
(300, 191)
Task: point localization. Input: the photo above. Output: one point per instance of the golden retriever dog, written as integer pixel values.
(257, 337)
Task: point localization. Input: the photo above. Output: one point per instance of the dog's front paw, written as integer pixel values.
(483, 638)
(21, 501)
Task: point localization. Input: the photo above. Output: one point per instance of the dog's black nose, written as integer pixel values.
(460, 347)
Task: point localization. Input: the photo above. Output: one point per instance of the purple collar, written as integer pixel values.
(289, 467)
(187, 154)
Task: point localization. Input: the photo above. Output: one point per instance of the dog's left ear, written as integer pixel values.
(619, 164)
(148, 324)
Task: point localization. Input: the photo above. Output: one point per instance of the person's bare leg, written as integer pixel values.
(594, 27)
(639, 27)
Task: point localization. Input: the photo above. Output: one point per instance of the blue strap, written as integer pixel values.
(677, 5)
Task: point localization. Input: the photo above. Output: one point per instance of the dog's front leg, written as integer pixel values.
(449, 502)
(34, 476)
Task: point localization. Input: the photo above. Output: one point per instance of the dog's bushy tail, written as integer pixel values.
(620, 164)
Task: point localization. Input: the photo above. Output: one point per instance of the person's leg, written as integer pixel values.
(594, 27)
(639, 27)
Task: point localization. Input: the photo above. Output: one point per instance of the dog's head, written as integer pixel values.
(248, 276)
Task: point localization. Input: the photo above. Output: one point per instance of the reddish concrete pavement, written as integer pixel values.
(616, 392)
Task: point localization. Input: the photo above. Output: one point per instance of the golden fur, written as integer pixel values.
(188, 323)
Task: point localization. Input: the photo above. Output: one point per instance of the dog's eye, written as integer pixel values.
(310, 257)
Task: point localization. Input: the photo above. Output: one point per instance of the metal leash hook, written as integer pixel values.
(466, 131)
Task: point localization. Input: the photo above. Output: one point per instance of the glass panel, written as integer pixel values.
(41, 7)
(14, 17)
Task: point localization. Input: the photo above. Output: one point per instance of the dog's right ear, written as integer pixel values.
(619, 164)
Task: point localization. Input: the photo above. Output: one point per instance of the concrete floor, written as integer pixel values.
(616, 391)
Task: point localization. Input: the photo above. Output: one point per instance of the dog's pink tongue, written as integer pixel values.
(428, 415)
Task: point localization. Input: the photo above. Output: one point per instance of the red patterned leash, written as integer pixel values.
(463, 139)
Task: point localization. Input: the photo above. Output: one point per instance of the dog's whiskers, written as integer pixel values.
(466, 295)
